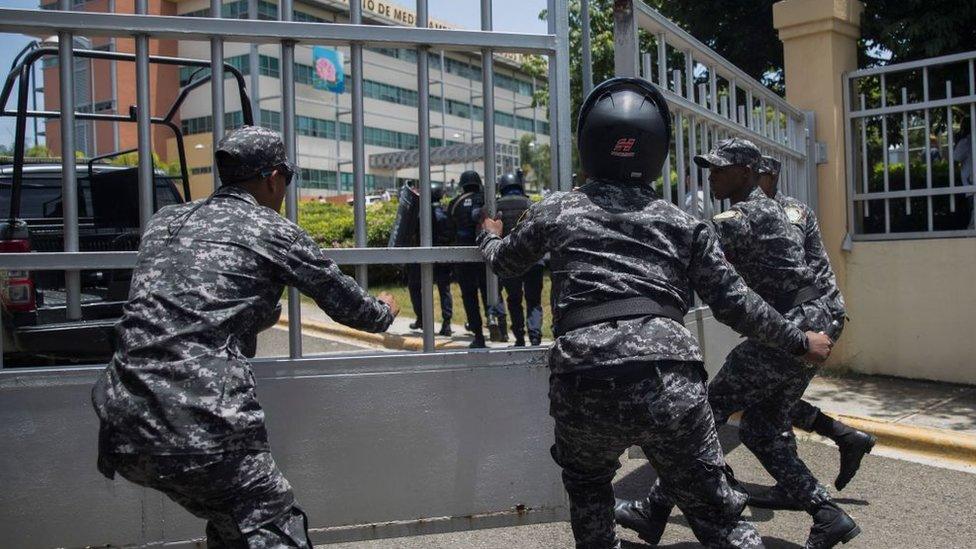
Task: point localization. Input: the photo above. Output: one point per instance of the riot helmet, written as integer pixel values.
(470, 181)
(624, 131)
(507, 182)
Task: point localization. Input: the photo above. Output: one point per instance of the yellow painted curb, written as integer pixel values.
(928, 441)
(388, 341)
(925, 440)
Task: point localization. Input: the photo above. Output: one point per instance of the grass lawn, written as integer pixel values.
(402, 296)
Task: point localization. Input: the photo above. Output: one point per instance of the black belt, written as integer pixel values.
(798, 297)
(607, 379)
(617, 310)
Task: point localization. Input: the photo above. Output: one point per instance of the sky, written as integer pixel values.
(509, 15)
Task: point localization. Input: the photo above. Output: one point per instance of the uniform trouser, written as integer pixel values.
(244, 498)
(766, 384)
(443, 282)
(804, 414)
(529, 286)
(668, 416)
(472, 279)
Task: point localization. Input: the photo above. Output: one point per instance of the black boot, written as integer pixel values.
(644, 517)
(446, 329)
(853, 446)
(535, 341)
(479, 341)
(831, 526)
(774, 497)
(416, 325)
(519, 341)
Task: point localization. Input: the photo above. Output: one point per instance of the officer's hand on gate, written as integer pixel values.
(493, 226)
(818, 347)
(391, 302)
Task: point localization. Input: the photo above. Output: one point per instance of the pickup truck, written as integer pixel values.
(36, 329)
(34, 318)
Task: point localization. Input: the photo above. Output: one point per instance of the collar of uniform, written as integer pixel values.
(234, 191)
(756, 192)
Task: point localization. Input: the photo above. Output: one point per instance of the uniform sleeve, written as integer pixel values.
(732, 302)
(307, 268)
(819, 262)
(520, 250)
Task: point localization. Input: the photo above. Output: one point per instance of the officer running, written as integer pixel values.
(465, 211)
(443, 234)
(510, 207)
(852, 443)
(177, 402)
(625, 370)
(761, 381)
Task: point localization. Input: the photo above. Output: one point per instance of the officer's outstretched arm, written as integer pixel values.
(521, 249)
(731, 300)
(307, 268)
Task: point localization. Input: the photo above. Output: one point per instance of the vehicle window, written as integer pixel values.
(40, 197)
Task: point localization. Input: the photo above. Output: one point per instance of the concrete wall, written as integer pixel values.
(913, 309)
(362, 440)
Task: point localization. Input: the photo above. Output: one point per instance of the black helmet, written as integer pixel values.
(436, 191)
(507, 181)
(624, 131)
(470, 181)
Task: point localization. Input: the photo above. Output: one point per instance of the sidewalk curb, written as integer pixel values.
(912, 438)
(927, 441)
(388, 341)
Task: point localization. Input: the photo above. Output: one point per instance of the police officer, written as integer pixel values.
(761, 381)
(625, 370)
(442, 233)
(511, 205)
(177, 403)
(852, 443)
(464, 212)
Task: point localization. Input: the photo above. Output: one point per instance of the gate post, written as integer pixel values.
(625, 45)
(819, 45)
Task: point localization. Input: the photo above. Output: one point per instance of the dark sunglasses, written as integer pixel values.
(283, 168)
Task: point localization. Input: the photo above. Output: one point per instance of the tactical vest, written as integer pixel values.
(510, 209)
(461, 212)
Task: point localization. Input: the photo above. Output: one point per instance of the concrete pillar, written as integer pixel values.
(819, 45)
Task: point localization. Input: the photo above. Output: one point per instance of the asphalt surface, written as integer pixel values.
(274, 343)
(898, 504)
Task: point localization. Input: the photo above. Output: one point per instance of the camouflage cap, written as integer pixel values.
(769, 165)
(730, 152)
(245, 152)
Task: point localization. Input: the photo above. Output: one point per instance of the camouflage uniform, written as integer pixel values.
(612, 241)
(803, 218)
(763, 382)
(177, 403)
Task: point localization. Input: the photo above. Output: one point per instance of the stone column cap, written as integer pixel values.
(796, 18)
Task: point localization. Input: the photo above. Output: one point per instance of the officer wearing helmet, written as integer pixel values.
(853, 444)
(464, 212)
(764, 383)
(442, 234)
(511, 206)
(625, 265)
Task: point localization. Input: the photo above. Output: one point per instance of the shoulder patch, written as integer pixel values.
(727, 215)
(794, 214)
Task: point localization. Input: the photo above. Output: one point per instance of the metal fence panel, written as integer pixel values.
(911, 117)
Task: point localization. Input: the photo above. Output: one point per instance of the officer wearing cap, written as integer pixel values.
(511, 206)
(177, 403)
(762, 381)
(625, 370)
(852, 443)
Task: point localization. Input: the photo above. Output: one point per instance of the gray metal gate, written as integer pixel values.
(403, 442)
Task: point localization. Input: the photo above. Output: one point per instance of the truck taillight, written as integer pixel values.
(17, 287)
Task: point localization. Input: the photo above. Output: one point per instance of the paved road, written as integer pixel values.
(898, 504)
(274, 343)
